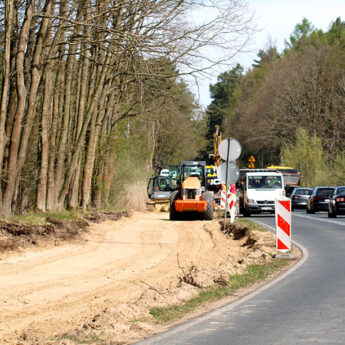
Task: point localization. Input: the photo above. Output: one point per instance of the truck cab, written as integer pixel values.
(259, 190)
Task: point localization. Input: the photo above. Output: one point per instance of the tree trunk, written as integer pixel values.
(6, 79)
(42, 184)
(17, 126)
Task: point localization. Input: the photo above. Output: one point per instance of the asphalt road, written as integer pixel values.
(307, 307)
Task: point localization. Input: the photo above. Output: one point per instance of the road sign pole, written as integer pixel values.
(226, 182)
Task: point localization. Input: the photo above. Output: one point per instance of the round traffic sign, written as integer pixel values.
(233, 173)
(235, 149)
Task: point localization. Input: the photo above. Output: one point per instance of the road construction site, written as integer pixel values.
(104, 284)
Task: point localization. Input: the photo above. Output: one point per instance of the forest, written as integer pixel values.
(93, 94)
(96, 94)
(289, 108)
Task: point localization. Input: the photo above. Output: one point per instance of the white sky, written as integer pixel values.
(277, 19)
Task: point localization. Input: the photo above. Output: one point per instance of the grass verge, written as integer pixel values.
(253, 274)
(39, 218)
(251, 224)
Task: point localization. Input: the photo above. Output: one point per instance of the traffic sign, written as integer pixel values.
(251, 165)
(235, 149)
(233, 173)
(251, 159)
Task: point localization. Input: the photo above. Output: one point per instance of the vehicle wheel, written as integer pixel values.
(173, 214)
(209, 197)
(246, 213)
(310, 210)
(330, 213)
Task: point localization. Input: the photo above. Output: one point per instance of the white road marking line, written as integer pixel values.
(320, 219)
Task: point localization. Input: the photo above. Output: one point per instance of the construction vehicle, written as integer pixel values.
(214, 184)
(214, 157)
(160, 186)
(192, 195)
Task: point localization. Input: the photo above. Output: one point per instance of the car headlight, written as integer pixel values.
(251, 201)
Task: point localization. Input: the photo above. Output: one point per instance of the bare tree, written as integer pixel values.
(67, 67)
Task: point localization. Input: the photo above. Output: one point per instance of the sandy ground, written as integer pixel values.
(104, 287)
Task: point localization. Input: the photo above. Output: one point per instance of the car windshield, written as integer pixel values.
(325, 191)
(341, 191)
(261, 182)
(303, 192)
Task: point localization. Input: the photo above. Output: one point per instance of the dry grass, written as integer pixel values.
(136, 196)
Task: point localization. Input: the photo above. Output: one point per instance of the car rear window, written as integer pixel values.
(325, 191)
(341, 191)
(303, 192)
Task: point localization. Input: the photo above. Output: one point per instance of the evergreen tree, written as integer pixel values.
(223, 102)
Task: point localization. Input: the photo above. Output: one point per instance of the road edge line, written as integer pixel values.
(219, 311)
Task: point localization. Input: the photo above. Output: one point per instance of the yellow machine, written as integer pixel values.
(215, 157)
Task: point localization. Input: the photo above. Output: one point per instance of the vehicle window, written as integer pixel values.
(341, 191)
(164, 184)
(291, 179)
(303, 192)
(261, 182)
(193, 171)
(150, 186)
(324, 191)
(174, 172)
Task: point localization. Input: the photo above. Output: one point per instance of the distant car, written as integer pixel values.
(319, 199)
(299, 197)
(336, 204)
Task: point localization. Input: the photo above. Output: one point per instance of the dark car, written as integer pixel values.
(319, 199)
(299, 197)
(336, 204)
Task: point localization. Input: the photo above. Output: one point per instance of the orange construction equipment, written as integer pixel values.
(186, 204)
(192, 195)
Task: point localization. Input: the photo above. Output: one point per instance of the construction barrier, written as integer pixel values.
(231, 204)
(232, 207)
(222, 199)
(283, 224)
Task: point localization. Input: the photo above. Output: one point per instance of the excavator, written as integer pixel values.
(213, 182)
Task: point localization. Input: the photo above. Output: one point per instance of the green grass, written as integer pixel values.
(91, 339)
(253, 274)
(40, 217)
(252, 225)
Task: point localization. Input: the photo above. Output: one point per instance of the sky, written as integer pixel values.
(276, 20)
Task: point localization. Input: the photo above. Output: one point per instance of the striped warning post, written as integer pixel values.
(232, 207)
(222, 199)
(283, 224)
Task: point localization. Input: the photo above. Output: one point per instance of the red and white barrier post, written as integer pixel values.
(232, 207)
(231, 204)
(222, 199)
(283, 224)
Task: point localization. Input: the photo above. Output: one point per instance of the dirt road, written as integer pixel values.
(113, 277)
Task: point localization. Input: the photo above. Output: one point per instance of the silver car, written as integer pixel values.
(299, 197)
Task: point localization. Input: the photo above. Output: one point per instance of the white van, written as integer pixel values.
(258, 191)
